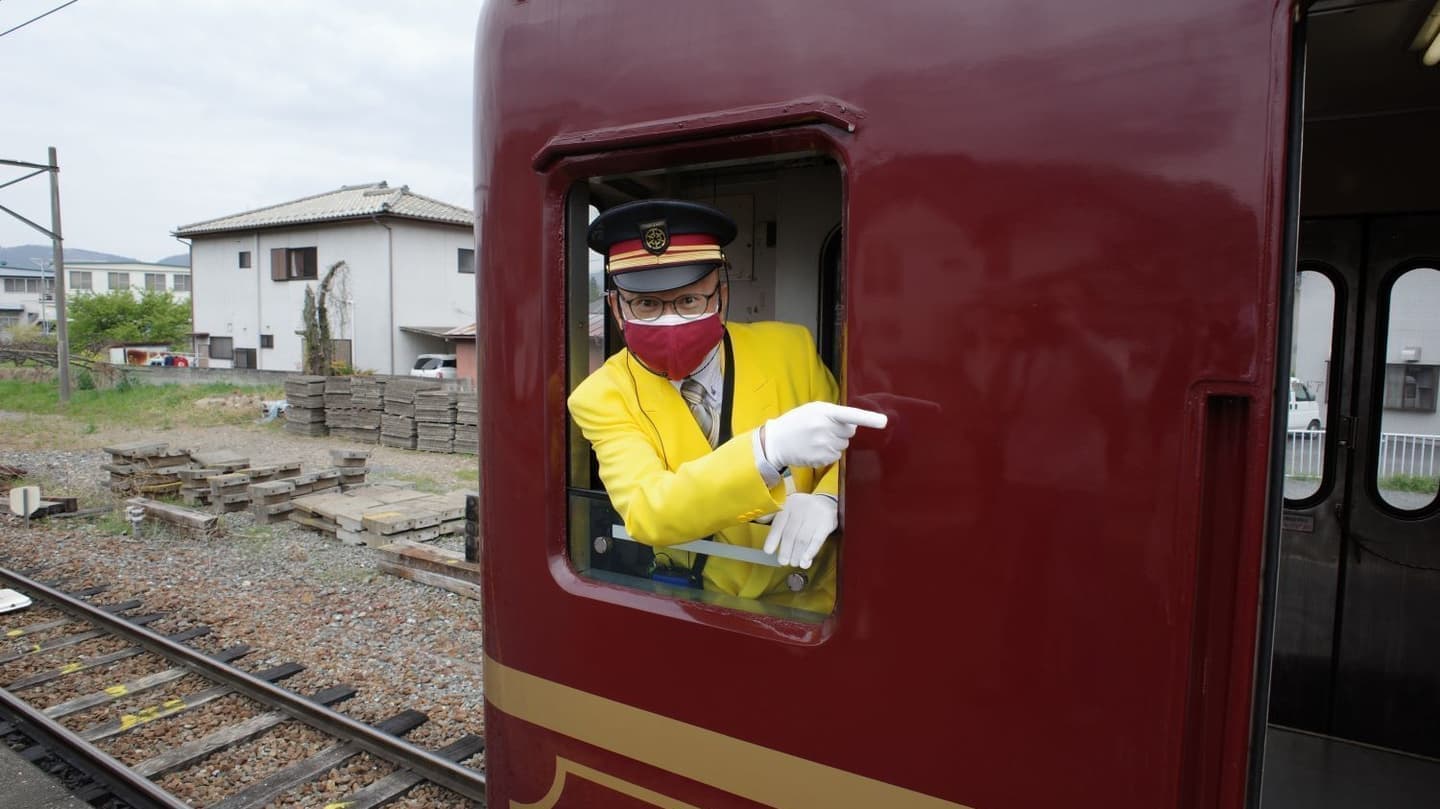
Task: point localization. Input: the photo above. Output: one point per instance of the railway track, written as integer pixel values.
(79, 622)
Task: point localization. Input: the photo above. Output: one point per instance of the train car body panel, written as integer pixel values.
(1061, 265)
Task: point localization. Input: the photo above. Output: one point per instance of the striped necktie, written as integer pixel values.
(694, 395)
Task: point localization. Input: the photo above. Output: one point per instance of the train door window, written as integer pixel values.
(1312, 337)
(1407, 464)
(787, 210)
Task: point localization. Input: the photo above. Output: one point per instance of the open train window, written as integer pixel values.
(784, 266)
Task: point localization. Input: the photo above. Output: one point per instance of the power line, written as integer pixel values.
(41, 17)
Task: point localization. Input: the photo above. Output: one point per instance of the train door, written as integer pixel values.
(1355, 678)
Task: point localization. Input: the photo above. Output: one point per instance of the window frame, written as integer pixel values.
(229, 343)
(284, 266)
(1379, 362)
(748, 616)
(111, 278)
(175, 284)
(1329, 405)
(460, 263)
(155, 282)
(75, 278)
(244, 260)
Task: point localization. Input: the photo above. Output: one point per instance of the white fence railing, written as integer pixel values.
(1400, 454)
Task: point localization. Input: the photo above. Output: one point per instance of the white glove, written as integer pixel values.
(800, 529)
(814, 434)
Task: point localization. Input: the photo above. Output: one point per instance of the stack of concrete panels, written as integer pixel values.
(467, 423)
(435, 420)
(305, 405)
(146, 467)
(397, 427)
(195, 484)
(338, 405)
(270, 501)
(351, 463)
(230, 491)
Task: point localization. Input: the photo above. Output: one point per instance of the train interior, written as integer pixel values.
(1354, 692)
(784, 265)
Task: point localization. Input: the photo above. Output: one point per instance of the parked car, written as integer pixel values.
(1304, 409)
(434, 366)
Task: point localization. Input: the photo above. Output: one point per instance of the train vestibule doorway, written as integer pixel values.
(1354, 697)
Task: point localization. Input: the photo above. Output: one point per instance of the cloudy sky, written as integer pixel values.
(167, 112)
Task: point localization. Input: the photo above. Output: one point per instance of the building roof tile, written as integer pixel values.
(348, 202)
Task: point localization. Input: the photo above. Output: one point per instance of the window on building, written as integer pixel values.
(155, 281)
(267, 341)
(119, 280)
(1410, 387)
(245, 358)
(342, 352)
(182, 282)
(244, 259)
(222, 348)
(294, 264)
(28, 285)
(8, 320)
(467, 260)
(797, 198)
(80, 280)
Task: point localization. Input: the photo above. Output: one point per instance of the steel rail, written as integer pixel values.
(442, 771)
(130, 786)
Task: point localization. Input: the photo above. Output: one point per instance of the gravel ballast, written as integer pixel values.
(292, 594)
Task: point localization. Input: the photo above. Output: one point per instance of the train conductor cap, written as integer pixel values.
(652, 245)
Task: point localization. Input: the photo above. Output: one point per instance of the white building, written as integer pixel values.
(410, 277)
(28, 295)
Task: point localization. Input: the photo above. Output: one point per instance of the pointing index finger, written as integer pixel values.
(859, 417)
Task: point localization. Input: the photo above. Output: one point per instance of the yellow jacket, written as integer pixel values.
(670, 487)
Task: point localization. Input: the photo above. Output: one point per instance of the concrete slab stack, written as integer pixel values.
(145, 467)
(467, 423)
(397, 426)
(305, 409)
(352, 465)
(435, 420)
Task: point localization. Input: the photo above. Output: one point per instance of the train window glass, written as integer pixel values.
(787, 210)
(1312, 332)
(1407, 463)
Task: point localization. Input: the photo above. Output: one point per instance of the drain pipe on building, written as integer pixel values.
(390, 275)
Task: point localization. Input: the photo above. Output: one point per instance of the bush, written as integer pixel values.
(84, 380)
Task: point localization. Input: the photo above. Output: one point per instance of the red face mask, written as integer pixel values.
(672, 345)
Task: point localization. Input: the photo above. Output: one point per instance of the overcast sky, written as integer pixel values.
(168, 112)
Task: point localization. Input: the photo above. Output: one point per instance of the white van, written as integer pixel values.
(1304, 409)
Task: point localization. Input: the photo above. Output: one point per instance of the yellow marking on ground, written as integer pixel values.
(14, 633)
(71, 668)
(35, 648)
(339, 804)
(172, 704)
(117, 690)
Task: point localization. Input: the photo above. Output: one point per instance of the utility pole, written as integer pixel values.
(62, 333)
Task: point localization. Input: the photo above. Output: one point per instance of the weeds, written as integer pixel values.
(1419, 484)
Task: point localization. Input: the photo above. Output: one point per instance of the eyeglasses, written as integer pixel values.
(688, 306)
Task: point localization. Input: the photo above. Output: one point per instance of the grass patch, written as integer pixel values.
(468, 473)
(422, 483)
(1419, 484)
(164, 406)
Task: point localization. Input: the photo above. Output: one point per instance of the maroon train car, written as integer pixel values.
(1054, 241)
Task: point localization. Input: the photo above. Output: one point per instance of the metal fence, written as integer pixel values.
(1400, 454)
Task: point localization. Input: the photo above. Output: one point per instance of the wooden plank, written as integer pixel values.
(179, 515)
(175, 705)
(454, 585)
(428, 557)
(75, 667)
(136, 686)
(264, 792)
(190, 752)
(395, 784)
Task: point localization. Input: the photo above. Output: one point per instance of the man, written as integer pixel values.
(705, 429)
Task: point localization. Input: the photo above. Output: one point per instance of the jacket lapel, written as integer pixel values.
(753, 403)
